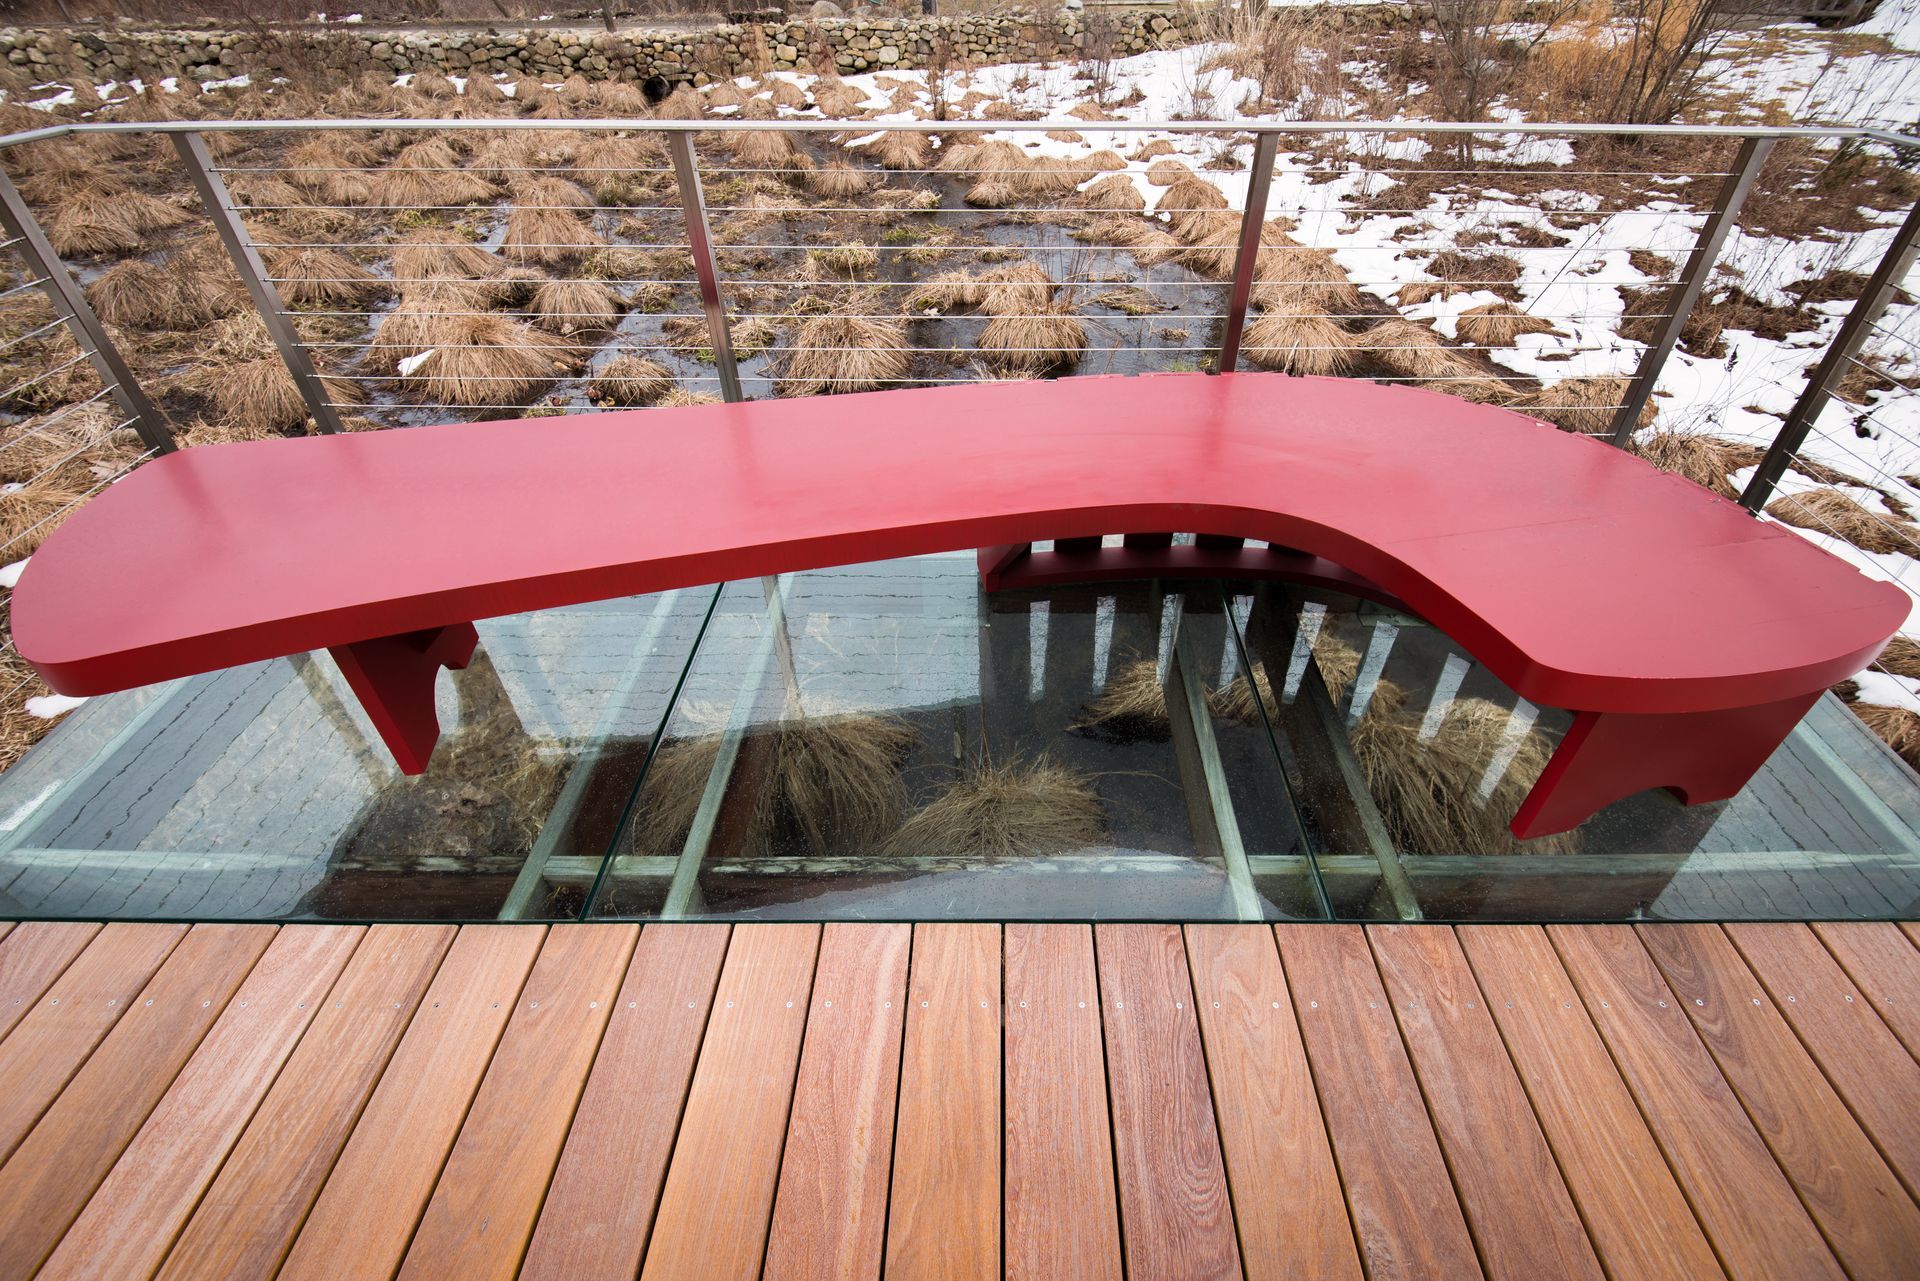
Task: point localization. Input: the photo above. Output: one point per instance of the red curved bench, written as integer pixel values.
(1688, 637)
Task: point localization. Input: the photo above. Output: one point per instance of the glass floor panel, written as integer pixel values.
(884, 741)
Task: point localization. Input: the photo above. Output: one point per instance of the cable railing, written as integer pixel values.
(825, 263)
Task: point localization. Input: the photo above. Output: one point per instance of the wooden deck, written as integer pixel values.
(963, 1100)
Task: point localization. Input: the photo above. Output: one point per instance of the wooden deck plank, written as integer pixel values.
(1062, 1220)
(1853, 1045)
(31, 958)
(830, 1213)
(1749, 1211)
(74, 1015)
(145, 1200)
(379, 1187)
(1884, 964)
(1869, 1222)
(1176, 1218)
(1286, 1190)
(483, 1209)
(726, 1163)
(944, 1209)
(1516, 1201)
(1634, 1211)
(600, 1208)
(47, 1181)
(247, 1221)
(1405, 1213)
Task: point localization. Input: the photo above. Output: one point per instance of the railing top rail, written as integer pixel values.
(1243, 125)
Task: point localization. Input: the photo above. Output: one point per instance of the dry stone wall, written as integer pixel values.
(849, 44)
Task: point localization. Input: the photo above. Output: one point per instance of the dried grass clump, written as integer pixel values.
(1412, 350)
(1028, 345)
(992, 191)
(1165, 173)
(838, 181)
(1299, 344)
(1133, 706)
(1019, 288)
(787, 94)
(631, 380)
(1583, 405)
(259, 394)
(609, 163)
(835, 97)
(574, 306)
(901, 149)
(139, 295)
(836, 353)
(680, 397)
(1115, 193)
(1015, 809)
(1897, 727)
(427, 175)
(109, 220)
(331, 170)
(841, 262)
(831, 785)
(434, 254)
(1707, 461)
(1835, 514)
(50, 466)
(1048, 177)
(682, 104)
(1428, 792)
(947, 291)
(1498, 324)
(544, 225)
(763, 149)
(725, 93)
(490, 360)
(1901, 657)
(1186, 198)
(312, 277)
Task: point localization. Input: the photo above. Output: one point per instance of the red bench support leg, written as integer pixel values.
(1608, 756)
(393, 678)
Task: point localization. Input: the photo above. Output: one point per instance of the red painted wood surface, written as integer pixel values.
(1473, 515)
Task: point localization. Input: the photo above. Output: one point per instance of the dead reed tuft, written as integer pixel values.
(1837, 515)
(838, 99)
(1299, 344)
(839, 353)
(427, 175)
(992, 192)
(609, 163)
(574, 306)
(763, 149)
(1412, 350)
(1133, 706)
(680, 397)
(831, 786)
(631, 380)
(725, 93)
(315, 277)
(1707, 461)
(1583, 405)
(109, 220)
(946, 291)
(1165, 173)
(436, 253)
(1897, 727)
(490, 360)
(545, 224)
(901, 149)
(174, 295)
(1014, 809)
(1115, 193)
(259, 395)
(840, 262)
(1498, 324)
(1901, 657)
(1033, 344)
(1016, 289)
(838, 181)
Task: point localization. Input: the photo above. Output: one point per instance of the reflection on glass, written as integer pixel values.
(882, 740)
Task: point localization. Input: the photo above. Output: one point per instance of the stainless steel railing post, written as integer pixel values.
(693, 203)
(1247, 259)
(1693, 280)
(1893, 267)
(218, 203)
(71, 306)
